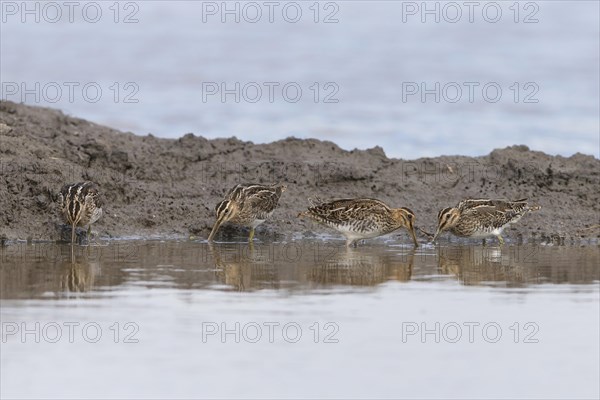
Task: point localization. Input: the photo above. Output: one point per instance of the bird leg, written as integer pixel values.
(500, 240)
(251, 235)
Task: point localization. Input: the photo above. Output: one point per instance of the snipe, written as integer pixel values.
(361, 218)
(80, 205)
(482, 218)
(247, 205)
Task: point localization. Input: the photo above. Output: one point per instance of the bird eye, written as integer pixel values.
(447, 216)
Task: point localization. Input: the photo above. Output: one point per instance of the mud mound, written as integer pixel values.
(164, 187)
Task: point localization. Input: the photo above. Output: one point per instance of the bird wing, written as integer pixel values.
(235, 192)
(262, 199)
(491, 215)
(94, 195)
(345, 210)
(469, 204)
(500, 205)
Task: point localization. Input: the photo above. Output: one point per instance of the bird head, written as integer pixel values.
(406, 218)
(447, 219)
(226, 211)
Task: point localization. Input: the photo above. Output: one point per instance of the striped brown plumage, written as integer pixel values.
(361, 218)
(247, 205)
(80, 205)
(481, 218)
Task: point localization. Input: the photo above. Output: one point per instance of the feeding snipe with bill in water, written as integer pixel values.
(361, 218)
(247, 205)
(481, 218)
(80, 205)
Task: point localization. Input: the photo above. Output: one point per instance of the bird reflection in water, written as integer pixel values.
(77, 277)
(294, 266)
(243, 267)
(78, 274)
(362, 268)
(477, 265)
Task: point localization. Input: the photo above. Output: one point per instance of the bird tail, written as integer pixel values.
(524, 206)
(315, 201)
(302, 214)
(279, 185)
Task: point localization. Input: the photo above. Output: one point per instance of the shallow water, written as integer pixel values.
(299, 319)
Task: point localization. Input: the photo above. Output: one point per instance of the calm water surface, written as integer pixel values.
(151, 319)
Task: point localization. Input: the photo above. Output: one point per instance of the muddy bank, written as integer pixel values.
(154, 186)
